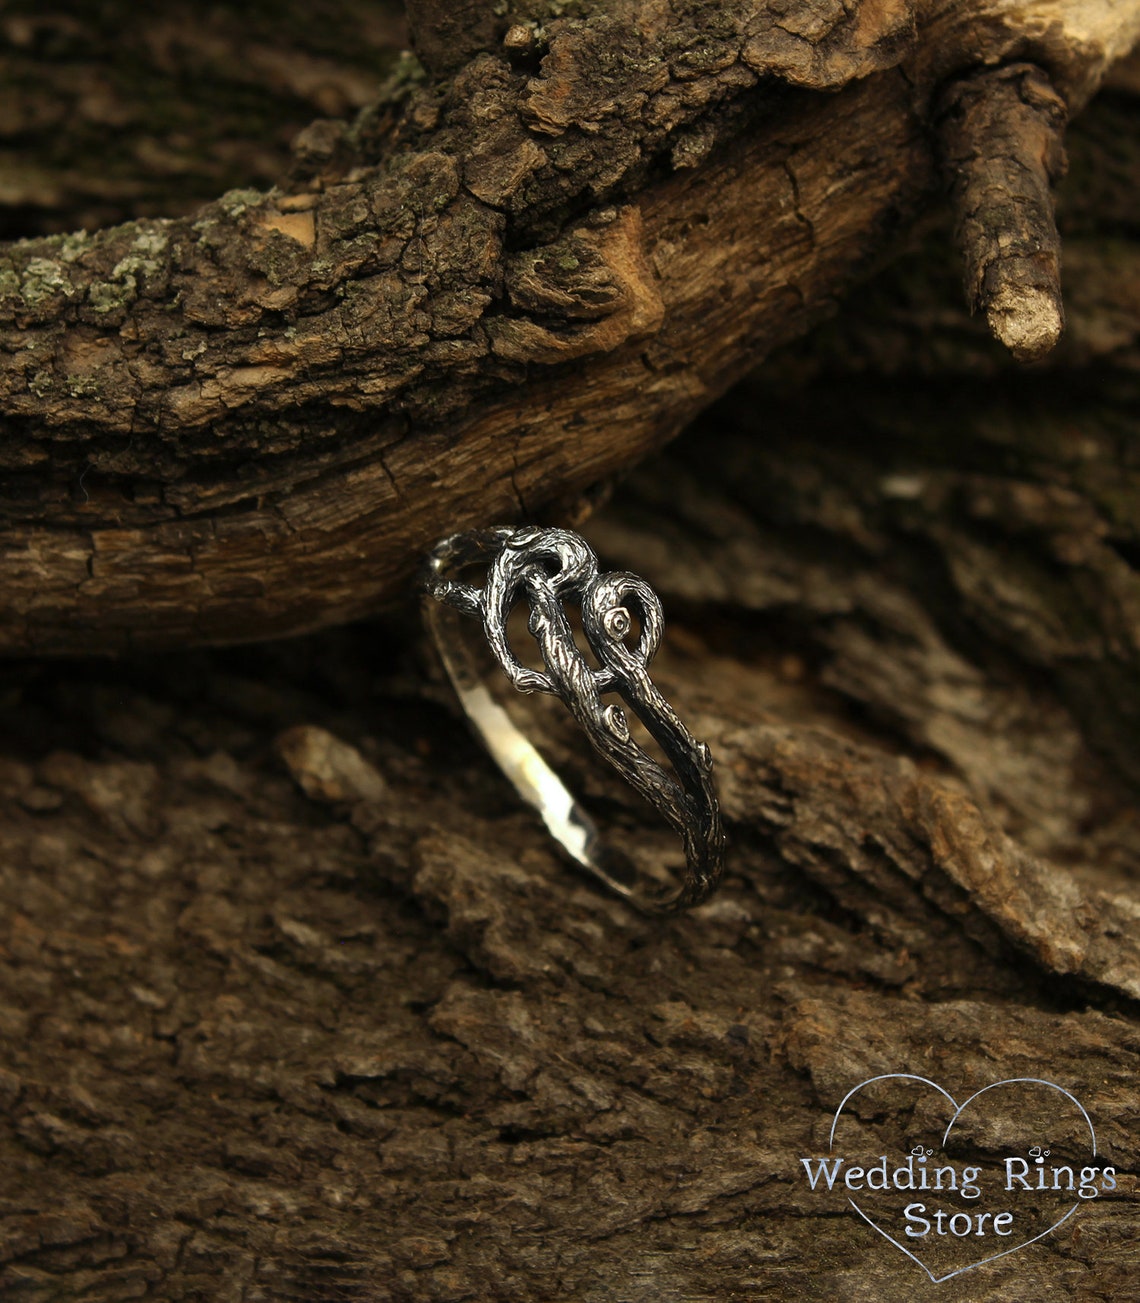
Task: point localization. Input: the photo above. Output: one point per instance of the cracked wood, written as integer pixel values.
(253, 421)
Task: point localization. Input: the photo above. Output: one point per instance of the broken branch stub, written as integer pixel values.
(1001, 132)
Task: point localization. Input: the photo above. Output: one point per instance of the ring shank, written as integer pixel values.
(529, 774)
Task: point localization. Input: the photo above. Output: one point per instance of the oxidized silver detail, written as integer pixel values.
(549, 568)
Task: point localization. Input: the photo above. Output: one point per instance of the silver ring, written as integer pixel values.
(549, 568)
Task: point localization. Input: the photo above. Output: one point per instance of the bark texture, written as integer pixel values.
(117, 111)
(300, 1005)
(254, 420)
(445, 35)
(297, 1004)
(1004, 185)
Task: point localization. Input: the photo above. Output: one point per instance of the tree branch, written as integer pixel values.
(1001, 137)
(254, 421)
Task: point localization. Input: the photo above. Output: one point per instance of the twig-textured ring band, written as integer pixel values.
(550, 568)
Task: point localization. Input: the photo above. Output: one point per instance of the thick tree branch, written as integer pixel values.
(254, 421)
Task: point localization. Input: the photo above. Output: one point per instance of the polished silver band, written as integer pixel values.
(550, 567)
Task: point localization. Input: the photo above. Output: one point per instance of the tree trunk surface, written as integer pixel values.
(296, 1002)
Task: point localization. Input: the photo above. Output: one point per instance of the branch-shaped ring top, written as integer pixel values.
(549, 568)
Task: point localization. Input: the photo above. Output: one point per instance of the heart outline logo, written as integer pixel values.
(958, 1110)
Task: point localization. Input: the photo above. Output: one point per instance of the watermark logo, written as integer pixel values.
(954, 1186)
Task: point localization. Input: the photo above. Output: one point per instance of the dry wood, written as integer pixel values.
(1001, 191)
(253, 421)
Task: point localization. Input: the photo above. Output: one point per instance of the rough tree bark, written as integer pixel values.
(295, 1001)
(117, 112)
(253, 420)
